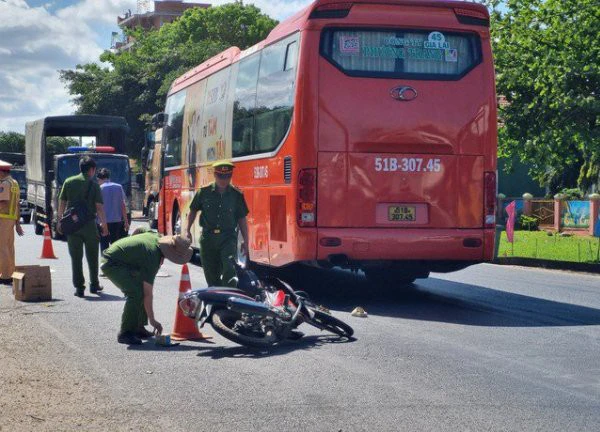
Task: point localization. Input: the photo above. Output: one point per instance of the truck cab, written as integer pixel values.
(106, 141)
(67, 165)
(19, 175)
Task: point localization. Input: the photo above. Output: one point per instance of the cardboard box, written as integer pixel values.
(32, 283)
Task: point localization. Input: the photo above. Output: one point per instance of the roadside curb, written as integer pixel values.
(549, 264)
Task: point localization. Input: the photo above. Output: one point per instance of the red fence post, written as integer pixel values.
(594, 211)
(557, 209)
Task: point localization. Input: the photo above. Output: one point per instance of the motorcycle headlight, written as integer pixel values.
(189, 304)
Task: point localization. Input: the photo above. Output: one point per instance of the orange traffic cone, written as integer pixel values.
(185, 328)
(47, 250)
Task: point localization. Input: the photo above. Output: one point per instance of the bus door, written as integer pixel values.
(406, 120)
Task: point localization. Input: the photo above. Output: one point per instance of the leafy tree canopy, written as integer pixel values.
(59, 145)
(12, 142)
(547, 55)
(135, 83)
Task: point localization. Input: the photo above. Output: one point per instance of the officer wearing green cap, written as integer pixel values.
(223, 211)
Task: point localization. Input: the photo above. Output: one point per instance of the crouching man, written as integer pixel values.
(132, 264)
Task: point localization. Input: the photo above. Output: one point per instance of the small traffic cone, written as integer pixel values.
(185, 328)
(47, 250)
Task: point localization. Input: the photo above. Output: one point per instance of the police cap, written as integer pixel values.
(223, 167)
(5, 166)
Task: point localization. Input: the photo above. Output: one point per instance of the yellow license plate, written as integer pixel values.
(402, 213)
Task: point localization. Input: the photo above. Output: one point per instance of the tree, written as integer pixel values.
(59, 145)
(12, 142)
(548, 67)
(135, 83)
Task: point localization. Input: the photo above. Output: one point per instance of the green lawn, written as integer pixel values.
(538, 244)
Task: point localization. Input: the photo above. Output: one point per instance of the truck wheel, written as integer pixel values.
(39, 229)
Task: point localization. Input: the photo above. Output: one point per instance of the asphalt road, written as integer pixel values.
(486, 348)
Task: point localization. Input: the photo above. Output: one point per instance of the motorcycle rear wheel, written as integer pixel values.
(327, 322)
(223, 321)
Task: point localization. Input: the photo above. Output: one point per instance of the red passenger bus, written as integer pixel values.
(363, 132)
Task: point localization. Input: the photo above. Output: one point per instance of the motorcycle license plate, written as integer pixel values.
(402, 213)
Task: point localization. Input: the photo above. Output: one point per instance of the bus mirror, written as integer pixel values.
(158, 120)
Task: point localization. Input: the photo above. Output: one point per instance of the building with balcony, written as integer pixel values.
(149, 15)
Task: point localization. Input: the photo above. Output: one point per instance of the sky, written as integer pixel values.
(40, 37)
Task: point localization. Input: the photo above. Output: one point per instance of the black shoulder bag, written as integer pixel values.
(76, 216)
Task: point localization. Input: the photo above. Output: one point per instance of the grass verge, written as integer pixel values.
(538, 244)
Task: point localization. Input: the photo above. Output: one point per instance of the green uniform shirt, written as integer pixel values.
(74, 190)
(140, 252)
(219, 211)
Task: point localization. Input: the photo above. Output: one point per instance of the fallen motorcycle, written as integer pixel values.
(259, 312)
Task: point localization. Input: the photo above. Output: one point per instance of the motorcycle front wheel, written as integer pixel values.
(224, 322)
(327, 322)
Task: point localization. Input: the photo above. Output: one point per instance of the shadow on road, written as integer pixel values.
(437, 300)
(219, 351)
(102, 296)
(306, 343)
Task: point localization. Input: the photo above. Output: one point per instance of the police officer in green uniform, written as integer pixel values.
(223, 211)
(74, 190)
(132, 264)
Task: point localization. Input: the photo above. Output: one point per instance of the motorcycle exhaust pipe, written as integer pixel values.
(249, 307)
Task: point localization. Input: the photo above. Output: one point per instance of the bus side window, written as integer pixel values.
(245, 105)
(174, 129)
(291, 56)
(275, 95)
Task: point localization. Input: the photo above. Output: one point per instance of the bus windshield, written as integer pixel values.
(118, 167)
(418, 54)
